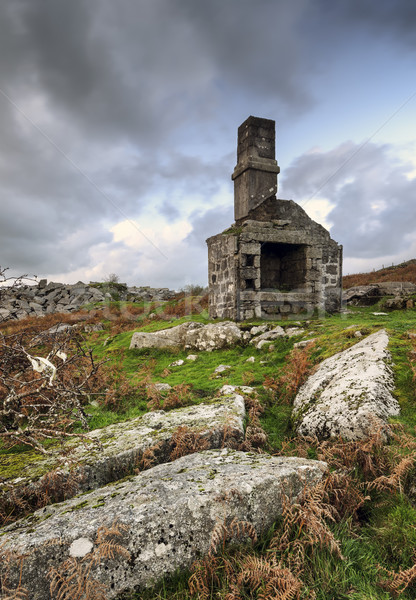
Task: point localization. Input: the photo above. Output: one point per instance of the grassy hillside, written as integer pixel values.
(403, 272)
(355, 537)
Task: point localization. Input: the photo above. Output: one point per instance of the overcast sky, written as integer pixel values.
(119, 126)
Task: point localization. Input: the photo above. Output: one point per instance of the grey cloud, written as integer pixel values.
(393, 19)
(209, 223)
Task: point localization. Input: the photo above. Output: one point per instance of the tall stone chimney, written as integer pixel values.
(255, 176)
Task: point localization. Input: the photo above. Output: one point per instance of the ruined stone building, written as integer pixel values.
(275, 262)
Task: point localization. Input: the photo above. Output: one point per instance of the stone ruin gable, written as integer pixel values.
(275, 262)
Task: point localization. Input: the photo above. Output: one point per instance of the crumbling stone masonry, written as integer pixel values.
(275, 262)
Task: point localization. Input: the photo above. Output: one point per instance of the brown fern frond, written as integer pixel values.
(394, 481)
(72, 581)
(218, 536)
(106, 546)
(397, 583)
(184, 441)
(240, 529)
(17, 594)
(305, 525)
(203, 577)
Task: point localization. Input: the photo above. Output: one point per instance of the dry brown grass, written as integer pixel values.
(294, 372)
(404, 272)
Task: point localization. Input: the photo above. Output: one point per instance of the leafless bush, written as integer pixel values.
(43, 386)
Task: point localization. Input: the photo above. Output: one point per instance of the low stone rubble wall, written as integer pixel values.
(45, 298)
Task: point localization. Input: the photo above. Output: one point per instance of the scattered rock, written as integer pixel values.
(348, 392)
(291, 331)
(177, 363)
(304, 343)
(268, 336)
(214, 336)
(161, 387)
(251, 359)
(222, 368)
(231, 389)
(88, 328)
(167, 514)
(258, 329)
(192, 357)
(18, 302)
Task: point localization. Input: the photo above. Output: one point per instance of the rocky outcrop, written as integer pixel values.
(115, 451)
(366, 295)
(22, 301)
(349, 394)
(165, 517)
(190, 335)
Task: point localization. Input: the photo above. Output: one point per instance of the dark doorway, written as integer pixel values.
(282, 266)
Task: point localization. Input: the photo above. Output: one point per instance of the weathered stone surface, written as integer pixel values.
(190, 335)
(169, 513)
(172, 337)
(213, 336)
(348, 392)
(119, 447)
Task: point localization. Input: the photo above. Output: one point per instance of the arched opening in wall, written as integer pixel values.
(282, 266)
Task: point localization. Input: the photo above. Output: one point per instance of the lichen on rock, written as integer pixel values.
(349, 394)
(167, 514)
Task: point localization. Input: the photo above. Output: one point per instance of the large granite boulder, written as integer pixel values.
(165, 518)
(349, 394)
(115, 451)
(190, 335)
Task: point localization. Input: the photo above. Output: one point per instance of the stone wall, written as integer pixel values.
(274, 269)
(222, 276)
(46, 298)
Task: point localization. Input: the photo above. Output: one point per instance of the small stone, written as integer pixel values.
(192, 357)
(304, 343)
(291, 331)
(232, 389)
(160, 387)
(358, 334)
(222, 368)
(258, 329)
(251, 359)
(177, 363)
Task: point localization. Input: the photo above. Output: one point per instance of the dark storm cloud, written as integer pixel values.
(143, 97)
(397, 18)
(141, 68)
(144, 77)
(374, 211)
